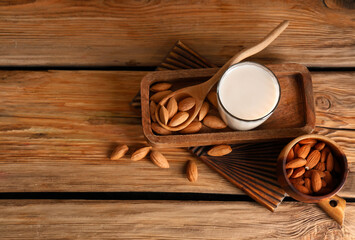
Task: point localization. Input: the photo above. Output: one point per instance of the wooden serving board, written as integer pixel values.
(293, 117)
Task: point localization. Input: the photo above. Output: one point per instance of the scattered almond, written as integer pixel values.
(214, 122)
(163, 115)
(296, 163)
(178, 119)
(330, 162)
(298, 172)
(140, 153)
(302, 188)
(172, 107)
(303, 151)
(159, 159)
(212, 97)
(312, 159)
(152, 109)
(290, 155)
(162, 86)
(219, 150)
(203, 111)
(319, 146)
(119, 152)
(186, 104)
(316, 181)
(191, 171)
(160, 130)
(157, 97)
(193, 127)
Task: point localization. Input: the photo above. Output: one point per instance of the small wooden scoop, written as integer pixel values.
(200, 91)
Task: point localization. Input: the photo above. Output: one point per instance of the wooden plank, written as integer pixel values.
(51, 219)
(57, 129)
(131, 33)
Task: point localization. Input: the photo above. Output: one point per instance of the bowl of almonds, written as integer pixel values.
(311, 168)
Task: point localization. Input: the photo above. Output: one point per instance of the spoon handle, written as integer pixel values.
(249, 51)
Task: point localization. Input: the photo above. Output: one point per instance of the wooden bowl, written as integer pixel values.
(290, 189)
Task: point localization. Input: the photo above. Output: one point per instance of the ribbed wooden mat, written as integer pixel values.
(252, 166)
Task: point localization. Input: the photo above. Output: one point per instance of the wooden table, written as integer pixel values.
(68, 72)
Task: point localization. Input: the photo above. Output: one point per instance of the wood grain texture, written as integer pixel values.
(58, 128)
(140, 33)
(50, 219)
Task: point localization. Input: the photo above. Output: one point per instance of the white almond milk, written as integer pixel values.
(247, 91)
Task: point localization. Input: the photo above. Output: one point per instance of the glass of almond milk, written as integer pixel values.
(248, 93)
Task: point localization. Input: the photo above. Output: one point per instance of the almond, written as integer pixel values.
(298, 172)
(320, 166)
(179, 118)
(160, 130)
(191, 171)
(157, 97)
(302, 189)
(212, 97)
(289, 172)
(303, 151)
(203, 111)
(298, 180)
(296, 163)
(140, 153)
(324, 184)
(159, 159)
(214, 122)
(119, 152)
(152, 109)
(186, 104)
(193, 127)
(307, 184)
(319, 146)
(307, 141)
(316, 181)
(308, 174)
(163, 115)
(219, 150)
(172, 107)
(328, 178)
(324, 154)
(162, 86)
(330, 162)
(296, 148)
(312, 159)
(290, 155)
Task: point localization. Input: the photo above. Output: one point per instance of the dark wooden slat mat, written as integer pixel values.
(251, 167)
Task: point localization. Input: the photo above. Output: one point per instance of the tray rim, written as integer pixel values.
(204, 139)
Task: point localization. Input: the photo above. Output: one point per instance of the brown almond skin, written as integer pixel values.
(307, 184)
(172, 107)
(219, 150)
(303, 151)
(330, 162)
(214, 122)
(316, 181)
(290, 155)
(298, 180)
(296, 163)
(289, 172)
(319, 146)
(212, 98)
(309, 141)
(296, 148)
(328, 178)
(193, 127)
(324, 154)
(203, 111)
(309, 173)
(140, 153)
(186, 104)
(152, 109)
(320, 166)
(298, 172)
(191, 171)
(301, 188)
(324, 184)
(157, 97)
(159, 159)
(119, 152)
(160, 130)
(178, 119)
(313, 159)
(163, 115)
(162, 86)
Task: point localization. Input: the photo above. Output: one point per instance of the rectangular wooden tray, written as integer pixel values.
(293, 117)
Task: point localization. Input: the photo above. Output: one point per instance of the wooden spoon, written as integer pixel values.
(200, 91)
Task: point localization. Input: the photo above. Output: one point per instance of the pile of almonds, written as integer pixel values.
(174, 113)
(311, 167)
